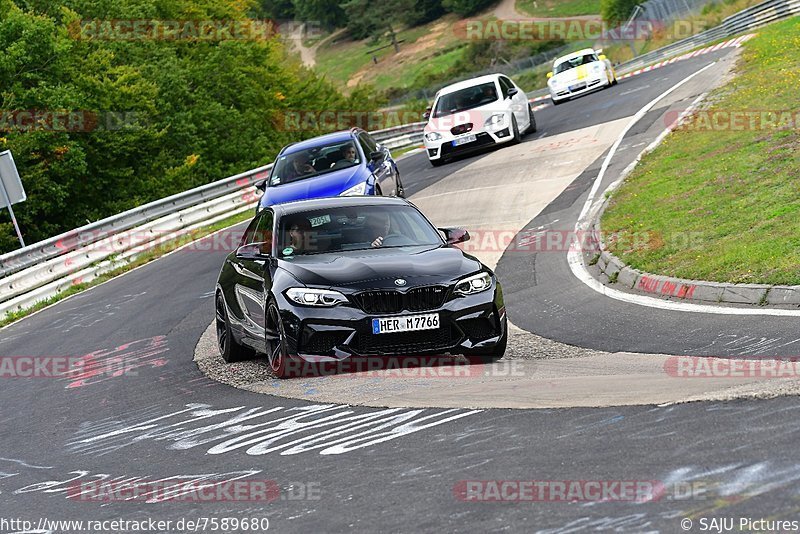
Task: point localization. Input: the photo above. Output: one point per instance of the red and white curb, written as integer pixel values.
(731, 43)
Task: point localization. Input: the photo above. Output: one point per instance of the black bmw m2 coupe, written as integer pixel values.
(328, 279)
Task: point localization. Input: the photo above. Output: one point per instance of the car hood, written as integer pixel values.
(330, 184)
(379, 268)
(578, 74)
(477, 116)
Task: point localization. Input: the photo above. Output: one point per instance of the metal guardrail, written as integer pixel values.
(47, 267)
(745, 20)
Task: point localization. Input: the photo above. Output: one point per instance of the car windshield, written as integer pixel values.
(575, 62)
(345, 229)
(463, 99)
(302, 164)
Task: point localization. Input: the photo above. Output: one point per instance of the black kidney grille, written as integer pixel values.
(391, 301)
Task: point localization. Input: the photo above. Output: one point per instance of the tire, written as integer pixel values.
(277, 352)
(229, 349)
(401, 192)
(436, 162)
(532, 125)
(515, 129)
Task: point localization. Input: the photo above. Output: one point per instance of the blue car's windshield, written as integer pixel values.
(339, 230)
(311, 162)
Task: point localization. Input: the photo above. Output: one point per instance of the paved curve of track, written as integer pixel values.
(368, 469)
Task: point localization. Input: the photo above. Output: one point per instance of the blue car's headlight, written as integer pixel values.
(473, 284)
(315, 297)
(358, 189)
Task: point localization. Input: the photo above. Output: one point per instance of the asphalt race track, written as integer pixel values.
(342, 468)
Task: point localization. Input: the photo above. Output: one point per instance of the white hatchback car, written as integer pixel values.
(475, 114)
(579, 73)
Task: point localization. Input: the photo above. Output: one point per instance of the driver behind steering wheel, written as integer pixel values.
(379, 226)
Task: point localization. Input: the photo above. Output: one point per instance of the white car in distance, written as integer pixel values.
(579, 73)
(475, 114)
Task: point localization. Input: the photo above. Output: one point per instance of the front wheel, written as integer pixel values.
(436, 162)
(229, 349)
(532, 125)
(277, 351)
(515, 131)
(399, 189)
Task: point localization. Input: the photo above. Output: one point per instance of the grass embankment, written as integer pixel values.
(719, 200)
(430, 48)
(140, 259)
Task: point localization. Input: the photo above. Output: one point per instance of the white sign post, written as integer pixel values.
(11, 189)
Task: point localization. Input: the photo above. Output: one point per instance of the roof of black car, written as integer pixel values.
(336, 202)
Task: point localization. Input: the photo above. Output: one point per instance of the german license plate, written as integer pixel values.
(577, 87)
(464, 140)
(405, 323)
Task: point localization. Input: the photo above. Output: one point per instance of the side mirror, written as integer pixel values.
(601, 57)
(376, 156)
(454, 235)
(549, 75)
(511, 92)
(427, 114)
(261, 185)
(253, 251)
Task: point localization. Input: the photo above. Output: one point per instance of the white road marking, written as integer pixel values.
(634, 90)
(581, 273)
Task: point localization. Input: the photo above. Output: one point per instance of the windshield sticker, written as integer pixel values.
(319, 221)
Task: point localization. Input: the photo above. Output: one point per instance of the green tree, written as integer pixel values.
(466, 7)
(328, 13)
(195, 110)
(617, 11)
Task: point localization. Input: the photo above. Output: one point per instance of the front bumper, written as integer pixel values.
(444, 149)
(577, 89)
(468, 325)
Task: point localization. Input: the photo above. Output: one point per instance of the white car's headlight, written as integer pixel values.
(495, 119)
(315, 297)
(433, 136)
(473, 284)
(358, 189)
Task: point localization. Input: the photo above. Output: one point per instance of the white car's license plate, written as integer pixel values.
(405, 323)
(577, 87)
(464, 140)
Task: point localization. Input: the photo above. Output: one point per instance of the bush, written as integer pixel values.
(616, 11)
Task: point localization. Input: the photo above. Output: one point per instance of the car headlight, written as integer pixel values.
(358, 189)
(473, 284)
(497, 118)
(433, 136)
(315, 297)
